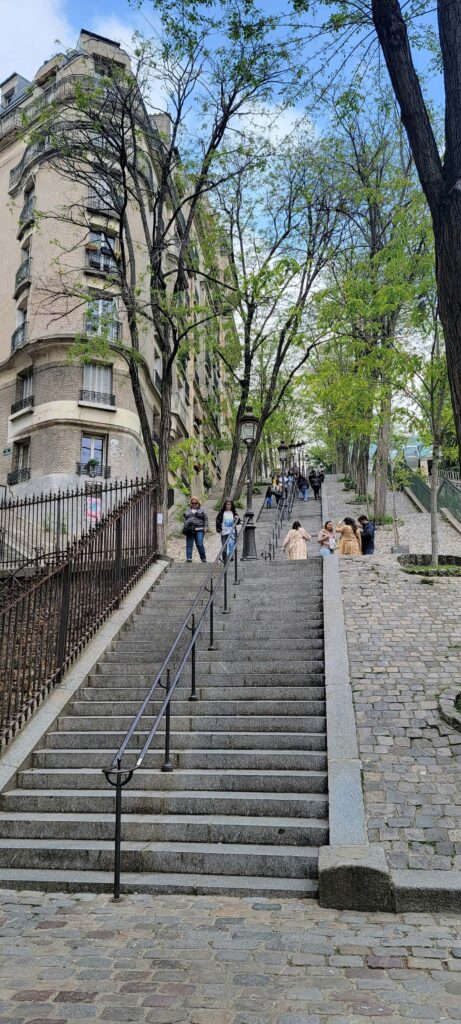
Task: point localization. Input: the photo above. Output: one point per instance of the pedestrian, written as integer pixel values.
(368, 535)
(226, 521)
(350, 537)
(316, 483)
(268, 499)
(195, 524)
(326, 539)
(278, 491)
(296, 542)
(303, 487)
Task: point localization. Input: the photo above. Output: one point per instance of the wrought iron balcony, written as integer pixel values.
(23, 403)
(24, 273)
(18, 476)
(28, 212)
(102, 203)
(19, 338)
(102, 326)
(85, 469)
(97, 397)
(100, 261)
(32, 153)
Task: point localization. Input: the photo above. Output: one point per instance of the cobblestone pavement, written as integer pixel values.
(404, 641)
(181, 960)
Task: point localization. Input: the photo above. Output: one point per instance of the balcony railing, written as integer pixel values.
(28, 212)
(84, 469)
(19, 337)
(101, 204)
(99, 326)
(99, 261)
(158, 381)
(18, 476)
(24, 272)
(97, 397)
(35, 150)
(22, 403)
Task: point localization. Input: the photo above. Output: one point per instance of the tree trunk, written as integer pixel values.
(382, 458)
(361, 478)
(434, 512)
(354, 462)
(163, 453)
(227, 490)
(146, 428)
(448, 269)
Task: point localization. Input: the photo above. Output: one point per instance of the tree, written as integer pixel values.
(100, 134)
(281, 216)
(438, 166)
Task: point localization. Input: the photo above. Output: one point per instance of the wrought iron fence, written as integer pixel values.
(420, 490)
(46, 627)
(449, 497)
(43, 527)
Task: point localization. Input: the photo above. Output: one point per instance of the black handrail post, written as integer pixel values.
(65, 595)
(225, 610)
(236, 565)
(211, 646)
(118, 831)
(193, 695)
(167, 765)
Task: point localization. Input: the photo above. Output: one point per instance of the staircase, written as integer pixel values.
(245, 810)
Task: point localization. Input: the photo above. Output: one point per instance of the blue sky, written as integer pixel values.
(30, 28)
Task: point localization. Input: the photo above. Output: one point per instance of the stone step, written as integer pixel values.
(184, 708)
(182, 741)
(197, 802)
(210, 692)
(310, 779)
(158, 884)
(298, 650)
(236, 760)
(293, 669)
(201, 723)
(226, 643)
(207, 858)
(165, 828)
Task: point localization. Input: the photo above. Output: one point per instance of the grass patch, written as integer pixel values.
(432, 570)
(387, 520)
(360, 499)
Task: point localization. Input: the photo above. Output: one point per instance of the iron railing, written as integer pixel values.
(18, 476)
(19, 336)
(46, 627)
(24, 272)
(284, 510)
(451, 474)
(102, 262)
(87, 469)
(43, 527)
(146, 723)
(28, 212)
(448, 495)
(97, 397)
(22, 403)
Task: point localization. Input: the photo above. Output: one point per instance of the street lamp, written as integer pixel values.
(248, 428)
(282, 450)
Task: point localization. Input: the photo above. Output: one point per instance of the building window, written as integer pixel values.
(8, 98)
(101, 318)
(21, 462)
(97, 384)
(100, 252)
(101, 197)
(93, 455)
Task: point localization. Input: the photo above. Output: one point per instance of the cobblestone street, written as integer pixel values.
(180, 960)
(404, 641)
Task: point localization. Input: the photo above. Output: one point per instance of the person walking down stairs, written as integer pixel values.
(295, 542)
(195, 524)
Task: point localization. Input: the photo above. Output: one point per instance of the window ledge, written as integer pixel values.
(98, 405)
(21, 412)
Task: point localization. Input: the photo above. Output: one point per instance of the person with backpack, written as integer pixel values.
(368, 535)
(268, 498)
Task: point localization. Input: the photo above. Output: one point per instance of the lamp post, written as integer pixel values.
(248, 428)
(282, 450)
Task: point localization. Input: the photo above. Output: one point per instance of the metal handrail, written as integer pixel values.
(119, 776)
(285, 504)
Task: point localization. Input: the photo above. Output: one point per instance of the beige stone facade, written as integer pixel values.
(60, 419)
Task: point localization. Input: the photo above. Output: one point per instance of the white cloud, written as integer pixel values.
(29, 31)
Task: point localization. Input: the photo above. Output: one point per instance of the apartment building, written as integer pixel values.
(62, 420)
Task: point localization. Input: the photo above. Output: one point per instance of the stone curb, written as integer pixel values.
(354, 875)
(19, 751)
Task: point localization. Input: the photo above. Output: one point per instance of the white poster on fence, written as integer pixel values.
(93, 509)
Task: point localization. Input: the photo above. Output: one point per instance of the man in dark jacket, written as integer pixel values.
(368, 535)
